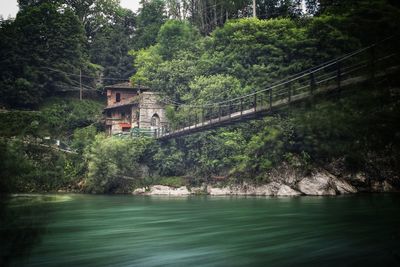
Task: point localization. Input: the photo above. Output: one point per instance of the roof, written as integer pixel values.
(126, 85)
(131, 102)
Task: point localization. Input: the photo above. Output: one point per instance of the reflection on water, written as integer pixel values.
(22, 223)
(84, 230)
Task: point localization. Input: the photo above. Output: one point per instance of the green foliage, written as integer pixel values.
(83, 137)
(149, 20)
(110, 45)
(115, 164)
(169, 160)
(20, 123)
(28, 167)
(176, 36)
(36, 40)
(65, 115)
(265, 149)
(173, 181)
(146, 62)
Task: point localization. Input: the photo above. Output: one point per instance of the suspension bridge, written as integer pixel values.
(363, 65)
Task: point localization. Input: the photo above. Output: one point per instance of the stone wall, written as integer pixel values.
(150, 106)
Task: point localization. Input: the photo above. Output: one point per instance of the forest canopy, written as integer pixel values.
(192, 52)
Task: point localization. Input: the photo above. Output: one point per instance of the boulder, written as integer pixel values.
(318, 184)
(218, 191)
(382, 186)
(387, 187)
(167, 190)
(139, 191)
(342, 186)
(200, 190)
(285, 190)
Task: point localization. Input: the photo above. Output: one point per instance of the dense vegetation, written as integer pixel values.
(191, 52)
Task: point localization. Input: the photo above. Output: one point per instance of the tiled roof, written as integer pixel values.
(126, 85)
(130, 102)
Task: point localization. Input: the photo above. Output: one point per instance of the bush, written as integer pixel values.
(116, 164)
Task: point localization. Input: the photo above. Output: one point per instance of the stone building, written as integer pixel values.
(133, 108)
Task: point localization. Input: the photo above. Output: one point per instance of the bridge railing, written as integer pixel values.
(335, 74)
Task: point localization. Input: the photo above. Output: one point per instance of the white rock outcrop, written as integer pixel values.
(218, 191)
(343, 187)
(163, 190)
(139, 191)
(318, 185)
(285, 190)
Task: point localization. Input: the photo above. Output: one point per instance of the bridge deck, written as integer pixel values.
(323, 79)
(255, 112)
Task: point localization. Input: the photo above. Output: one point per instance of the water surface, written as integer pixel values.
(87, 230)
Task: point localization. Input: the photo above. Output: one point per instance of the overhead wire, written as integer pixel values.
(293, 77)
(85, 76)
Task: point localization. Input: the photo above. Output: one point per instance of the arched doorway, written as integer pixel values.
(155, 121)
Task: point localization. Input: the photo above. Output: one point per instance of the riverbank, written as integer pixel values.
(319, 183)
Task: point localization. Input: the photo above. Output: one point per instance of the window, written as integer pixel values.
(155, 121)
(118, 97)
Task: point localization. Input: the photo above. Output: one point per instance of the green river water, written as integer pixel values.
(89, 230)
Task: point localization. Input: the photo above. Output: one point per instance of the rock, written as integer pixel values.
(387, 187)
(269, 189)
(343, 187)
(217, 191)
(139, 191)
(379, 186)
(201, 190)
(166, 190)
(285, 190)
(318, 184)
(376, 186)
(360, 177)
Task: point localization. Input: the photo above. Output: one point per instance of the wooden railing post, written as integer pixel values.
(289, 88)
(241, 106)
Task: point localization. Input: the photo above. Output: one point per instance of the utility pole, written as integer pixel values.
(80, 84)
(254, 9)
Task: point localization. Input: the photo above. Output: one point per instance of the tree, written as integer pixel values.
(149, 20)
(174, 37)
(34, 44)
(110, 46)
(114, 163)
